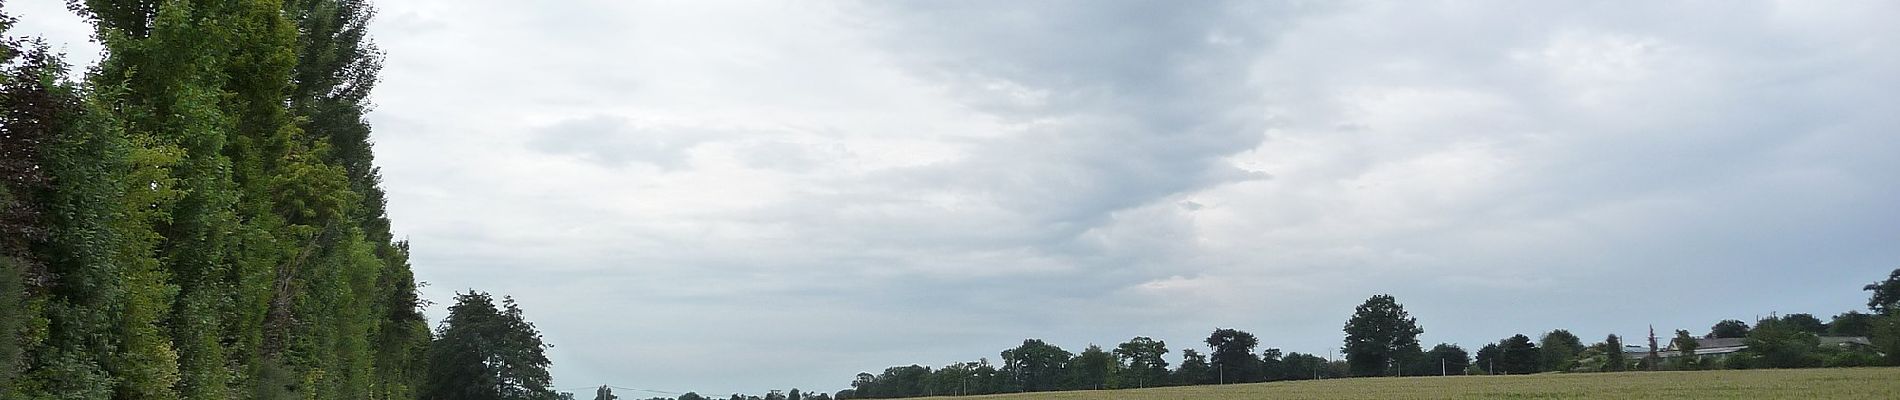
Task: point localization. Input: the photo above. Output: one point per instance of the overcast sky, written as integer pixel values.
(736, 197)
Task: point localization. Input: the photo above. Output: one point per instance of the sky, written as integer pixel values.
(734, 197)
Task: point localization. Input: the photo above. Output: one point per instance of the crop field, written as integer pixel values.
(1831, 383)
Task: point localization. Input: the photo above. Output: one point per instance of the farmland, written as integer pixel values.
(1831, 383)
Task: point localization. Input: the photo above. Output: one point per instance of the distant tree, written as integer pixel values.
(1091, 368)
(1143, 357)
(1613, 355)
(1685, 349)
(1231, 356)
(1517, 355)
(1886, 297)
(1851, 323)
(1379, 336)
(1805, 323)
(1194, 369)
(794, 395)
(695, 396)
(1450, 358)
(864, 385)
(486, 353)
(604, 393)
(1558, 350)
(1036, 366)
(1777, 343)
(1729, 329)
(1884, 332)
(1273, 365)
(774, 395)
(1487, 358)
(1305, 366)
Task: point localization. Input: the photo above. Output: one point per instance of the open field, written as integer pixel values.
(1831, 383)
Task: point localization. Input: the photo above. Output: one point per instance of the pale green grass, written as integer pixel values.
(1831, 383)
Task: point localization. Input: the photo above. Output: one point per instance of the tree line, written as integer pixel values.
(199, 217)
(1381, 339)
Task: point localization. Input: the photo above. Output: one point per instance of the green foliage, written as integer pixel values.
(1194, 369)
(1776, 343)
(1805, 323)
(175, 230)
(1036, 366)
(1231, 356)
(1686, 346)
(1144, 363)
(1487, 358)
(1451, 359)
(1729, 329)
(1380, 335)
(1091, 368)
(1614, 359)
(1517, 355)
(483, 352)
(1886, 297)
(1558, 350)
(1885, 335)
(1851, 323)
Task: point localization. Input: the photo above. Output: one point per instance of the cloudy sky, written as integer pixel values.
(736, 197)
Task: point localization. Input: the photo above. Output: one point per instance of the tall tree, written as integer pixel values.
(1886, 297)
(1450, 359)
(1558, 349)
(482, 352)
(1517, 355)
(1143, 357)
(1092, 368)
(1686, 346)
(1035, 365)
(1777, 343)
(1194, 369)
(604, 393)
(1231, 356)
(1379, 335)
(1487, 358)
(1805, 323)
(1728, 329)
(1851, 323)
(1615, 359)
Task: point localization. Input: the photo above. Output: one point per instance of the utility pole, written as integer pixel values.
(1441, 367)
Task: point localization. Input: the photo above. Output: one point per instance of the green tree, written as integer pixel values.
(482, 352)
(604, 393)
(1194, 369)
(1558, 350)
(1686, 346)
(1776, 343)
(1036, 366)
(1143, 358)
(1805, 323)
(1517, 355)
(1729, 329)
(1231, 356)
(1614, 359)
(1092, 368)
(1886, 297)
(1487, 358)
(1450, 358)
(1851, 323)
(1884, 332)
(1379, 335)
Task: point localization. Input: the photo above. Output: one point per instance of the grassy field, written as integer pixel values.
(1833, 383)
